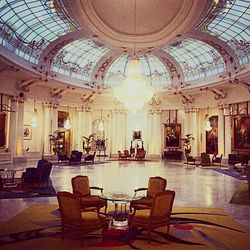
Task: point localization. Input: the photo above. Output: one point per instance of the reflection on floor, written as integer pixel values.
(194, 187)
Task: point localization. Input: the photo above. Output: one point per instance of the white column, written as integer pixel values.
(19, 133)
(79, 133)
(47, 128)
(228, 139)
(13, 128)
(54, 118)
(186, 123)
(221, 131)
(149, 147)
(194, 131)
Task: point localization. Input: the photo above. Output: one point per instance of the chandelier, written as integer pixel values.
(134, 92)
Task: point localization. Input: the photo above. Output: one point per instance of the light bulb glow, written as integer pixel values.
(134, 92)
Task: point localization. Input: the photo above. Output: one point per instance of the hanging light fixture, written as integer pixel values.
(134, 92)
(207, 122)
(101, 124)
(67, 124)
(34, 121)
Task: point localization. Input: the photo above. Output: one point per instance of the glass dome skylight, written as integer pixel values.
(26, 27)
(197, 59)
(151, 67)
(79, 58)
(232, 25)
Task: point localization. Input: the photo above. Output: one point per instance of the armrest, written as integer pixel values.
(97, 188)
(140, 189)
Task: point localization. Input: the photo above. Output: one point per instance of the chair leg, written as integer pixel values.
(149, 235)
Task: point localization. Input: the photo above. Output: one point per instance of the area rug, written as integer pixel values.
(241, 195)
(27, 192)
(231, 173)
(38, 227)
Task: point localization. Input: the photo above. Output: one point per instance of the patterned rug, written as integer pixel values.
(241, 195)
(28, 191)
(38, 227)
(231, 173)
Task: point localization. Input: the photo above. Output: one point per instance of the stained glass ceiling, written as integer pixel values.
(151, 67)
(232, 25)
(79, 58)
(27, 27)
(197, 59)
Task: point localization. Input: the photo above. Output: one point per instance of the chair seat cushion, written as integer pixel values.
(91, 219)
(92, 201)
(141, 217)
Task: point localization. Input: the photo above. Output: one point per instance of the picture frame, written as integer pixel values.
(27, 132)
(172, 133)
(241, 133)
(212, 136)
(137, 135)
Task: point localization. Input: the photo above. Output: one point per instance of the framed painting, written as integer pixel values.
(137, 135)
(172, 133)
(241, 133)
(212, 136)
(27, 132)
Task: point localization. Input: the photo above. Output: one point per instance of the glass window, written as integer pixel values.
(79, 58)
(151, 67)
(232, 24)
(197, 59)
(30, 25)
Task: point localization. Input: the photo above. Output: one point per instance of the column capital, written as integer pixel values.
(191, 110)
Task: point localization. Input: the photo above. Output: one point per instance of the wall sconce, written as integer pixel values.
(34, 121)
(101, 124)
(67, 124)
(207, 122)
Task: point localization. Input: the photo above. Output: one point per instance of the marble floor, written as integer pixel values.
(194, 187)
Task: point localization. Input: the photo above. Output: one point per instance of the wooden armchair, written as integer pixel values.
(81, 188)
(75, 220)
(158, 215)
(217, 159)
(156, 185)
(140, 153)
(121, 156)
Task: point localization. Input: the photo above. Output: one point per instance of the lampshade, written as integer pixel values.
(134, 92)
(67, 124)
(101, 126)
(34, 122)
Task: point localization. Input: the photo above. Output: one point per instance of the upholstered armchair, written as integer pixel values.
(90, 157)
(205, 159)
(75, 220)
(81, 188)
(121, 156)
(158, 215)
(140, 154)
(76, 157)
(156, 185)
(37, 175)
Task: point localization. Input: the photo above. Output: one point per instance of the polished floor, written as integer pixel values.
(194, 187)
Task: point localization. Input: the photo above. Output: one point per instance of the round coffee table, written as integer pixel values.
(119, 215)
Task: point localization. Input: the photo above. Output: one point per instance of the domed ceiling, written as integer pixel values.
(182, 44)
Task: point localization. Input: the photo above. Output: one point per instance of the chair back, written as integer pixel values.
(156, 185)
(162, 205)
(126, 153)
(80, 185)
(45, 171)
(69, 206)
(40, 164)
